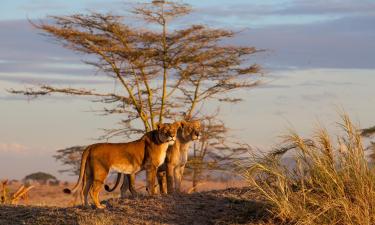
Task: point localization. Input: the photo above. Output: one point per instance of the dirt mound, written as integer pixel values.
(230, 206)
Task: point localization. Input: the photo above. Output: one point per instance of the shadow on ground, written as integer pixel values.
(230, 206)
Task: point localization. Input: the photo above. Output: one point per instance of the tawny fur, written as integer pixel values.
(145, 153)
(171, 172)
(177, 157)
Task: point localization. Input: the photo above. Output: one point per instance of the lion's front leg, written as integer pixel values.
(162, 181)
(179, 172)
(170, 178)
(151, 176)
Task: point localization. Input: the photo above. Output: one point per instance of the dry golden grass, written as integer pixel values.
(22, 192)
(330, 184)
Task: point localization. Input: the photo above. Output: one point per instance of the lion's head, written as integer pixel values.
(167, 132)
(190, 130)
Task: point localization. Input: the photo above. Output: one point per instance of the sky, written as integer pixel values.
(319, 59)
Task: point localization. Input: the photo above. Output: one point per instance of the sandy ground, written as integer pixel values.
(228, 206)
(47, 195)
(214, 203)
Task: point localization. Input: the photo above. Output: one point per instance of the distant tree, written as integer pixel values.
(215, 151)
(70, 157)
(367, 132)
(40, 177)
(165, 73)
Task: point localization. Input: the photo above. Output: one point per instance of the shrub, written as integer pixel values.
(331, 182)
(40, 177)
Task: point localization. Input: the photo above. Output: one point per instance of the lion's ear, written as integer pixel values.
(158, 126)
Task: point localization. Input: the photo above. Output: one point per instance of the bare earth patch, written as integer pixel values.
(230, 206)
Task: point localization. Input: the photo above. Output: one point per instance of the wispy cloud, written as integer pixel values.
(319, 83)
(334, 42)
(27, 57)
(51, 78)
(331, 7)
(318, 96)
(13, 148)
(47, 67)
(341, 43)
(42, 5)
(265, 13)
(20, 41)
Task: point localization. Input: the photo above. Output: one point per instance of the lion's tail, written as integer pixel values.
(107, 188)
(85, 155)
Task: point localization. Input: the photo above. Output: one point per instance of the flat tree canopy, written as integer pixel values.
(40, 177)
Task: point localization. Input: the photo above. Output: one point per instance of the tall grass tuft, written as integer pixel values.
(330, 183)
(21, 193)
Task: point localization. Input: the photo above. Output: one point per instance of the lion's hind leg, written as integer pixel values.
(130, 179)
(99, 175)
(87, 185)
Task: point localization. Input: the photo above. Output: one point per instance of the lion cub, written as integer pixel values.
(147, 153)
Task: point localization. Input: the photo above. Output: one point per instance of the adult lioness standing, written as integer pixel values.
(147, 153)
(171, 172)
(177, 156)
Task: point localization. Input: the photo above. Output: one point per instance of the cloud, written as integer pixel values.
(319, 7)
(319, 83)
(273, 86)
(13, 148)
(27, 57)
(19, 41)
(266, 13)
(61, 79)
(341, 43)
(319, 97)
(345, 42)
(42, 5)
(47, 67)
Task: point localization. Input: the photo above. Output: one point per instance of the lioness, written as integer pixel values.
(172, 169)
(177, 156)
(147, 153)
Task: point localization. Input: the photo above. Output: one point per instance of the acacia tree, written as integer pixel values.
(70, 157)
(164, 73)
(215, 151)
(369, 133)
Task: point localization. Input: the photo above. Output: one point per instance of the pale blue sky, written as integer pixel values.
(321, 56)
